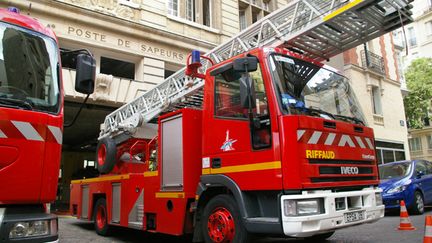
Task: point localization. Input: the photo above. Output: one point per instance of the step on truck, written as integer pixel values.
(257, 136)
(31, 125)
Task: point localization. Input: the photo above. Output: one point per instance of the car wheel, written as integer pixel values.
(418, 206)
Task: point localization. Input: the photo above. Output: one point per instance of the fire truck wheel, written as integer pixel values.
(221, 221)
(106, 155)
(101, 217)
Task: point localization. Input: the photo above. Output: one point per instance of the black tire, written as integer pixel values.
(418, 205)
(226, 206)
(320, 237)
(100, 216)
(106, 154)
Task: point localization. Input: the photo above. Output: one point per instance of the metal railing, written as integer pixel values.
(373, 61)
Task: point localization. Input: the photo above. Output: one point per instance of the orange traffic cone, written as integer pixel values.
(428, 230)
(405, 222)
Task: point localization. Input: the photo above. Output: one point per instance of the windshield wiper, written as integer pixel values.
(16, 103)
(356, 120)
(334, 116)
(310, 110)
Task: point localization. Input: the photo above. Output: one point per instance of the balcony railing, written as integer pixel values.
(373, 61)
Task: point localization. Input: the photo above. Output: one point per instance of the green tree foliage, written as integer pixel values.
(419, 82)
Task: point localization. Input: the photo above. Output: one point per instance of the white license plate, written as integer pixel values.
(353, 216)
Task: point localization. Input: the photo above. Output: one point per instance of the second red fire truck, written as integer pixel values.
(31, 125)
(267, 140)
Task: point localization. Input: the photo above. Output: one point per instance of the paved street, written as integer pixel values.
(73, 230)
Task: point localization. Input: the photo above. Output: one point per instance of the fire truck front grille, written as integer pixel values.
(329, 170)
(345, 162)
(342, 170)
(343, 179)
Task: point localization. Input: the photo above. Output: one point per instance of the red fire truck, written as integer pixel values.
(31, 125)
(247, 139)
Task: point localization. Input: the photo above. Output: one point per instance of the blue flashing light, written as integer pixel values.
(196, 56)
(13, 9)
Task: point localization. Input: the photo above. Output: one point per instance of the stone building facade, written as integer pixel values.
(373, 70)
(418, 44)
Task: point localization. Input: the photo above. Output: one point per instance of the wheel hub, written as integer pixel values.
(101, 155)
(100, 217)
(420, 204)
(220, 225)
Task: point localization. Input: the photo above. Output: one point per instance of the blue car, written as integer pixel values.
(410, 181)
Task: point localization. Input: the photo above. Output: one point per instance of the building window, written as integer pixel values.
(415, 144)
(387, 152)
(429, 141)
(376, 100)
(428, 28)
(168, 73)
(173, 7)
(190, 10)
(68, 59)
(117, 68)
(255, 16)
(266, 5)
(399, 38)
(412, 37)
(242, 18)
(207, 12)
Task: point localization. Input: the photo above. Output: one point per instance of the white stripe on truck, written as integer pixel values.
(27, 130)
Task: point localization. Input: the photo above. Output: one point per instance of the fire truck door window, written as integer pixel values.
(261, 134)
(228, 105)
(227, 96)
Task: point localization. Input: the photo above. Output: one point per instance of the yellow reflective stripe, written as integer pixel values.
(342, 9)
(170, 195)
(99, 179)
(244, 168)
(150, 173)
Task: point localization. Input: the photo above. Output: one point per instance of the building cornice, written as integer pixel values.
(370, 72)
(113, 23)
(422, 130)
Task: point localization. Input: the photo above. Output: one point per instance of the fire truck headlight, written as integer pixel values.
(303, 207)
(33, 228)
(378, 199)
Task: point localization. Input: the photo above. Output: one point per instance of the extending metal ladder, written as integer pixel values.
(320, 29)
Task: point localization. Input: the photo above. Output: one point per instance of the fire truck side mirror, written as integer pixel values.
(85, 74)
(245, 64)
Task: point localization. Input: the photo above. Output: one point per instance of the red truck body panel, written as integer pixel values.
(167, 206)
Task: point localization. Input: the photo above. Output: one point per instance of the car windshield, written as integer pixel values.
(392, 171)
(28, 70)
(303, 87)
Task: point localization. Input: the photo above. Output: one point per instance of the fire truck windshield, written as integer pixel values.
(29, 69)
(305, 88)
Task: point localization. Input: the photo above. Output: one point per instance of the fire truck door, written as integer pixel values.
(232, 145)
